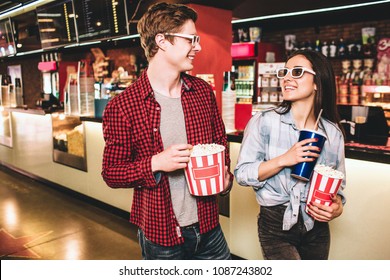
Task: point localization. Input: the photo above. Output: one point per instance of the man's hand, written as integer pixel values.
(173, 158)
(228, 182)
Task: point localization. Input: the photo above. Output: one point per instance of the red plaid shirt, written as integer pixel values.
(131, 131)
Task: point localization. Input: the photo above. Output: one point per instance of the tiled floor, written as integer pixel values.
(38, 221)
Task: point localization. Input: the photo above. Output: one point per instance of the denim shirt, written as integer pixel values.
(268, 135)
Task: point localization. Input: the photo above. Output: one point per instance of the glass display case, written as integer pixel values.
(69, 141)
(378, 96)
(5, 127)
(364, 124)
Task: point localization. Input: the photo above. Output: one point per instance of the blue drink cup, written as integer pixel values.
(304, 170)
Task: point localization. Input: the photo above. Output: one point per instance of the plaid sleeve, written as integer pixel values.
(119, 170)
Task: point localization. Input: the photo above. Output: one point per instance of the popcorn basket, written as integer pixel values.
(205, 174)
(322, 186)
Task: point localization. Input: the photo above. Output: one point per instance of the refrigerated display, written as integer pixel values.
(246, 58)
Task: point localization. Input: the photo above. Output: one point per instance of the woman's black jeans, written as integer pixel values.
(294, 244)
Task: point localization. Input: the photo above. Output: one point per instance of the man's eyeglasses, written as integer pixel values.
(195, 39)
(296, 72)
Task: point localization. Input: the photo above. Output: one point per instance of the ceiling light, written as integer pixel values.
(322, 10)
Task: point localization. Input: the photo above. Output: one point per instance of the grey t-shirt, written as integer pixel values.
(173, 131)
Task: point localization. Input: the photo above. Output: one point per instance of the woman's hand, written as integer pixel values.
(300, 153)
(323, 213)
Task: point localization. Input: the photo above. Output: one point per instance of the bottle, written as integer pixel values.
(344, 87)
(344, 82)
(356, 81)
(332, 49)
(356, 84)
(226, 80)
(368, 49)
(229, 81)
(368, 77)
(359, 49)
(355, 50)
(325, 49)
(318, 45)
(342, 50)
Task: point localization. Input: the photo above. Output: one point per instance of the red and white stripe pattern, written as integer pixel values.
(205, 174)
(321, 187)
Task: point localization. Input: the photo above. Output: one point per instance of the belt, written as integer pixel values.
(194, 225)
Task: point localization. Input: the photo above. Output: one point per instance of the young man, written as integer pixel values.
(149, 131)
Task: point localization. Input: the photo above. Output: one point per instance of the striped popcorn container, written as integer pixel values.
(205, 173)
(324, 182)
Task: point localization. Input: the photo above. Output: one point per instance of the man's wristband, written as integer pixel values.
(229, 188)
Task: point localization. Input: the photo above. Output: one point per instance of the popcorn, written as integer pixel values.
(329, 171)
(324, 183)
(205, 170)
(206, 149)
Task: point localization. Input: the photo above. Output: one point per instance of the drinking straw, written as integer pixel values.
(318, 119)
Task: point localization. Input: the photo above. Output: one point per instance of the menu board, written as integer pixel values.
(7, 45)
(56, 24)
(26, 32)
(135, 10)
(100, 19)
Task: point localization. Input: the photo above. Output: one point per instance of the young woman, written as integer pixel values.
(270, 149)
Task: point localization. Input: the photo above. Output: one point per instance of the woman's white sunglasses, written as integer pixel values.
(296, 72)
(195, 39)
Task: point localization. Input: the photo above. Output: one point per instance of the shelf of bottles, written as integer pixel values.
(366, 81)
(244, 83)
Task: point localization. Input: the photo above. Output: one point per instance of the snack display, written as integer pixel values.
(75, 139)
(324, 182)
(205, 171)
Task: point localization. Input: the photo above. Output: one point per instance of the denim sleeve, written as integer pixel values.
(341, 167)
(252, 153)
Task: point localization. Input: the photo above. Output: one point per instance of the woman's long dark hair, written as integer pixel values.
(325, 97)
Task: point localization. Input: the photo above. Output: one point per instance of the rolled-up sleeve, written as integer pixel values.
(119, 169)
(252, 153)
